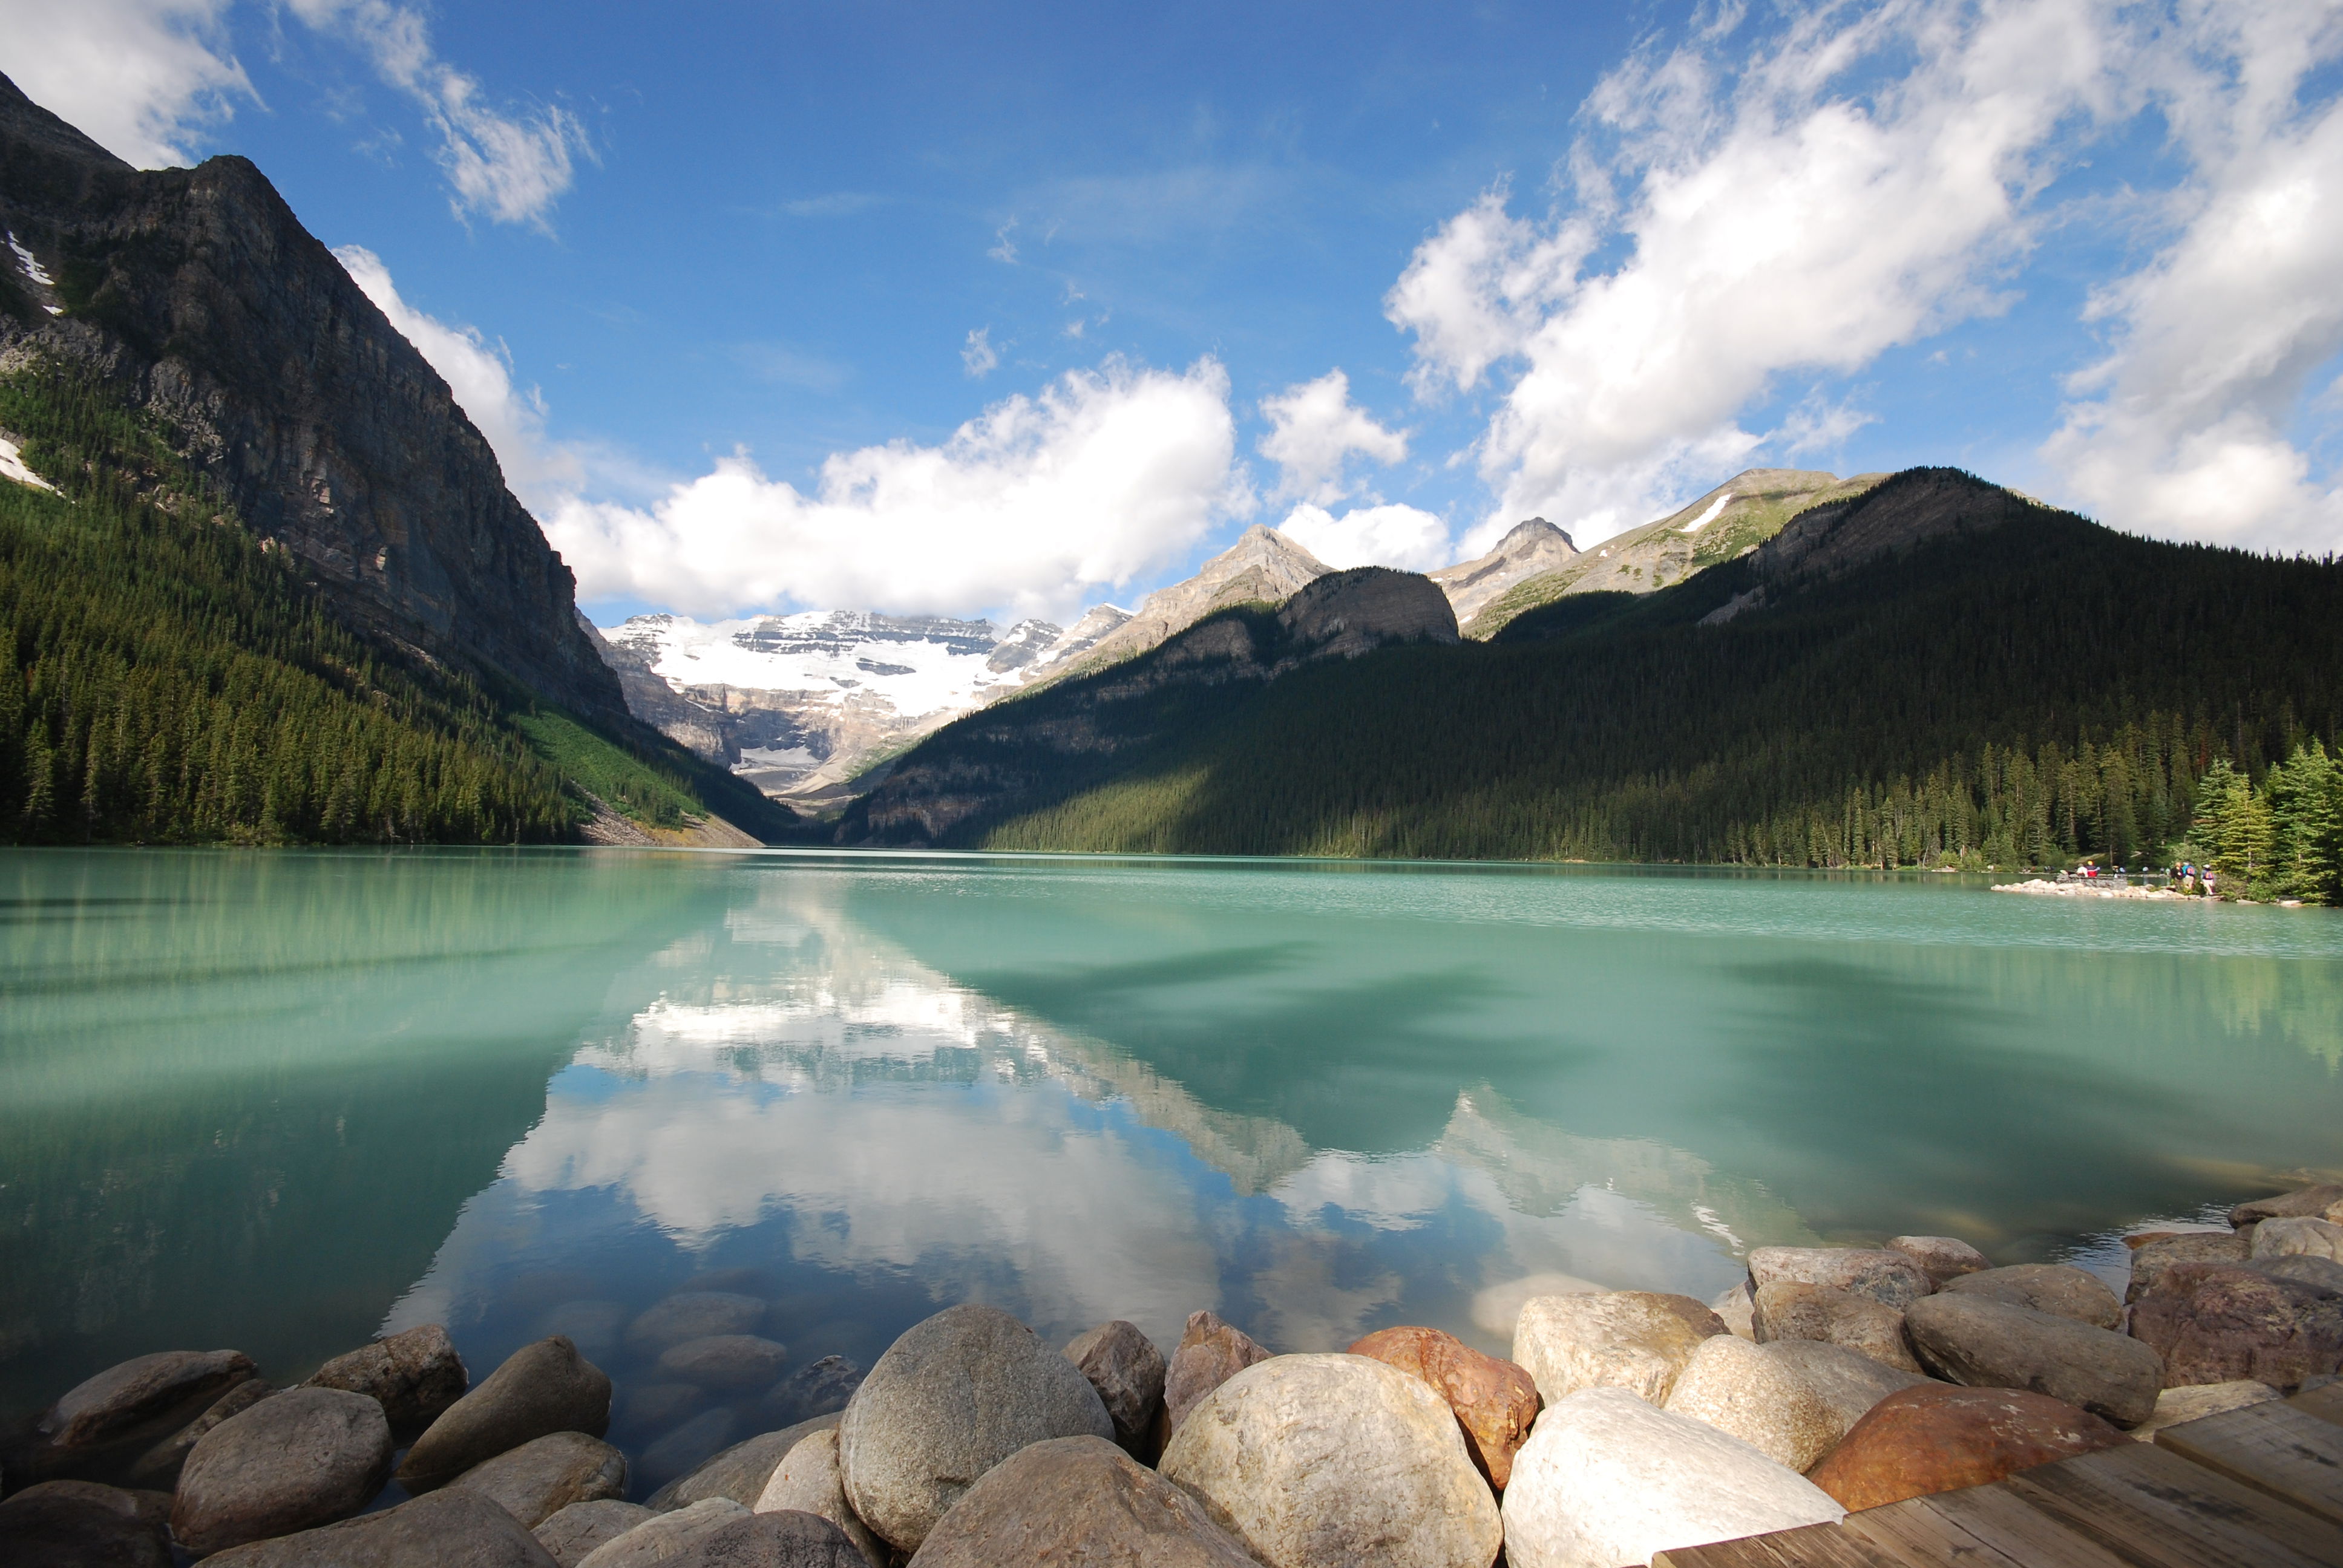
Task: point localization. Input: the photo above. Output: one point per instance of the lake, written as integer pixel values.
(279, 1101)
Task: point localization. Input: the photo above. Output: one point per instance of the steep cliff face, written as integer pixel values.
(198, 296)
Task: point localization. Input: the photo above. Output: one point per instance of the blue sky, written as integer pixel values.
(1012, 309)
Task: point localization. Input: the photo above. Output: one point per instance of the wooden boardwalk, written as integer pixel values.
(2254, 1488)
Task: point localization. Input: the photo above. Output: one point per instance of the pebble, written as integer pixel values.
(146, 1396)
(1792, 1309)
(807, 1480)
(953, 1396)
(1980, 1342)
(664, 1536)
(2212, 1323)
(415, 1376)
(2177, 1406)
(740, 1471)
(570, 1534)
(1078, 1500)
(724, 1361)
(1886, 1277)
(1635, 1340)
(547, 1474)
(1328, 1461)
(1494, 1400)
(1941, 1258)
(2046, 1288)
(1605, 1478)
(81, 1525)
(444, 1530)
(2149, 1260)
(541, 1388)
(1746, 1391)
(304, 1458)
(1209, 1352)
(1123, 1364)
(694, 1315)
(2298, 1238)
(1931, 1439)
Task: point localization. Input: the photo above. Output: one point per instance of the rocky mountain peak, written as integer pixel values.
(1530, 549)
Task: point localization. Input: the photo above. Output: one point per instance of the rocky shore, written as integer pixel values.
(1627, 1422)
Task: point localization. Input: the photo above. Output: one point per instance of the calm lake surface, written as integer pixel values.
(280, 1101)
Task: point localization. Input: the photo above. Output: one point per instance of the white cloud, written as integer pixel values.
(1401, 537)
(136, 77)
(1314, 429)
(1006, 251)
(1033, 506)
(978, 355)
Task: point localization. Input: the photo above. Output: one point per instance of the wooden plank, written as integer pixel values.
(2149, 1506)
(1977, 1527)
(2272, 1446)
(1808, 1546)
(2325, 1403)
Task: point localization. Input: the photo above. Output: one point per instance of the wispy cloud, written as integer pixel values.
(978, 354)
(837, 203)
(1006, 251)
(786, 366)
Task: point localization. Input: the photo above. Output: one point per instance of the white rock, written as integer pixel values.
(1605, 1480)
(807, 1480)
(1624, 1339)
(1328, 1461)
(2298, 1238)
(1744, 1390)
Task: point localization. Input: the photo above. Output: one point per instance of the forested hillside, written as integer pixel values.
(166, 678)
(2008, 686)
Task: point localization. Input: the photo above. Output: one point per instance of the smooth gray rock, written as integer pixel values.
(1605, 1478)
(445, 1530)
(143, 1397)
(818, 1388)
(576, 1531)
(2056, 1287)
(2149, 1260)
(1847, 1381)
(547, 1474)
(81, 1525)
(685, 1448)
(1319, 1459)
(954, 1396)
(785, 1539)
(306, 1458)
(540, 1389)
(664, 1536)
(1123, 1364)
(694, 1315)
(2304, 1201)
(415, 1375)
(159, 1465)
(1634, 1339)
(740, 1471)
(1767, 1402)
(1887, 1277)
(807, 1480)
(1984, 1343)
(2297, 1237)
(1078, 1500)
(1792, 1309)
(1941, 1258)
(725, 1362)
(2319, 1273)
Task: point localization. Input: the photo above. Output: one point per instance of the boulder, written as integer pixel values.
(1127, 1370)
(1495, 1401)
(724, 1361)
(2149, 1260)
(694, 1315)
(784, 1539)
(159, 1465)
(1789, 1309)
(547, 1474)
(541, 1388)
(1846, 1381)
(740, 1471)
(2320, 1274)
(81, 1525)
(445, 1530)
(2303, 1202)
(2214, 1323)
(1605, 1478)
(306, 1458)
(2302, 1238)
(141, 1399)
(2178, 1406)
(954, 1396)
(1980, 1342)
(1746, 1391)
(1315, 1461)
(665, 1536)
(1887, 1277)
(818, 1388)
(1634, 1339)
(415, 1375)
(1736, 1309)
(686, 1448)
(1941, 1258)
(2054, 1288)
(807, 1481)
(576, 1531)
(1931, 1439)
(1209, 1352)
(1078, 1500)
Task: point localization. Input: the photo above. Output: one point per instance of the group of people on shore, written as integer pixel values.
(2188, 876)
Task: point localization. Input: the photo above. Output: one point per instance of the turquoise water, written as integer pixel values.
(280, 1101)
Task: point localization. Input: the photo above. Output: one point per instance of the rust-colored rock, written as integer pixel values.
(1210, 1352)
(1494, 1400)
(2212, 1322)
(1930, 1439)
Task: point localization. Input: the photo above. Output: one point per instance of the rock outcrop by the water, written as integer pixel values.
(2150, 1258)
(1931, 1439)
(1128, 1371)
(740, 1471)
(415, 1376)
(1747, 1391)
(445, 1530)
(547, 1474)
(306, 1458)
(1078, 1500)
(573, 1533)
(540, 1389)
(666, 1536)
(2215, 1322)
(1884, 1276)
(1981, 1342)
(806, 1479)
(2056, 1287)
(787, 1539)
(140, 1397)
(1494, 1400)
(1636, 1340)
(1941, 1258)
(84, 1524)
(159, 1465)
(1209, 1352)
(1794, 1309)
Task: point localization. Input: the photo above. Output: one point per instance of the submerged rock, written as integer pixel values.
(2215, 1323)
(1792, 1309)
(1209, 1352)
(445, 1530)
(1985, 1343)
(81, 1525)
(1324, 1460)
(694, 1315)
(1634, 1339)
(725, 1361)
(685, 1448)
(1128, 1371)
(954, 1396)
(592, 1326)
(415, 1376)
(740, 1471)
(661, 1404)
(1605, 1478)
(1494, 1400)
(1887, 1277)
(1932, 1438)
(1941, 1258)
(807, 1481)
(540, 1389)
(576, 1531)
(306, 1458)
(818, 1388)
(1078, 1500)
(1768, 1402)
(547, 1474)
(2056, 1287)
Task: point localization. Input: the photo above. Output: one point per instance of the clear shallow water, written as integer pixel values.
(282, 1100)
